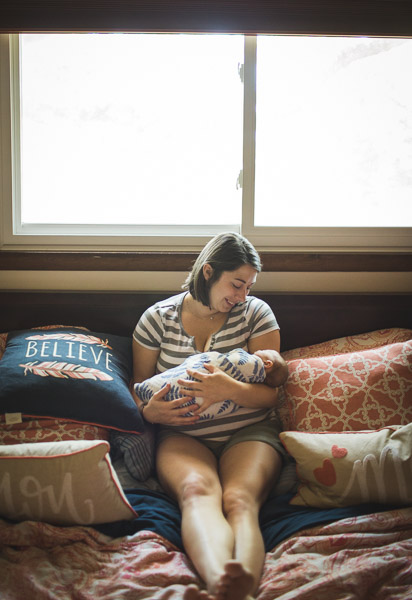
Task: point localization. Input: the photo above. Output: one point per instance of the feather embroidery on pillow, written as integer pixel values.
(66, 370)
(71, 337)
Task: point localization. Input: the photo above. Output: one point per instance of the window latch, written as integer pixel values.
(239, 180)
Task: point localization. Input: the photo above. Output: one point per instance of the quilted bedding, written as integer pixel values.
(368, 556)
(348, 553)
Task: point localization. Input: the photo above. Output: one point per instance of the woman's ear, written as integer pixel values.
(207, 271)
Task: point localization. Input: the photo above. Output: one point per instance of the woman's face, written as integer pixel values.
(231, 288)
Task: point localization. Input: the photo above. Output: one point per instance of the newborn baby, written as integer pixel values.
(221, 419)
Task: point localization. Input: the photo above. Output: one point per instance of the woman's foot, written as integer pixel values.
(192, 592)
(236, 583)
(183, 592)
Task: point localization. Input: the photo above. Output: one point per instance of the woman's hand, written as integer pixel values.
(214, 386)
(172, 412)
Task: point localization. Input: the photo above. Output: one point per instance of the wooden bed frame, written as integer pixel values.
(304, 318)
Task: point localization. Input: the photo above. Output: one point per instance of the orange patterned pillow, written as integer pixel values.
(351, 343)
(48, 430)
(350, 392)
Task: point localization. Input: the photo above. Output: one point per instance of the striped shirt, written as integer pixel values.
(160, 328)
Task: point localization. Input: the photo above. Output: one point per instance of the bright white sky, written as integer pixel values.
(131, 128)
(334, 132)
(144, 129)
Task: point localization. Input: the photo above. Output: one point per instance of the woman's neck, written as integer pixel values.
(199, 310)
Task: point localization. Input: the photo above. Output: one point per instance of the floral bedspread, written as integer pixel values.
(358, 558)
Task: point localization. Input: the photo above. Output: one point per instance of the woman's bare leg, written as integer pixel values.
(187, 470)
(248, 470)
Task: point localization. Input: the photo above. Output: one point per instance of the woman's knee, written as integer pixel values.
(239, 500)
(197, 486)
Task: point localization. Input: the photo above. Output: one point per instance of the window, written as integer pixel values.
(338, 112)
(130, 129)
(115, 136)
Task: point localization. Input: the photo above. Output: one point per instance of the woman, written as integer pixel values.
(220, 487)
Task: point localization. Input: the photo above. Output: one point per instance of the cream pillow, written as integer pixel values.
(340, 469)
(63, 483)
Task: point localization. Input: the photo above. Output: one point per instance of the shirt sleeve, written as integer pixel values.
(261, 318)
(149, 329)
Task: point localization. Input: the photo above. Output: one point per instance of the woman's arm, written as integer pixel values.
(144, 366)
(217, 386)
(157, 410)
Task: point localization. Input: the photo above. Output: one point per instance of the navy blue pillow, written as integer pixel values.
(70, 373)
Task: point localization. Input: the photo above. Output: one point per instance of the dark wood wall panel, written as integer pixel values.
(383, 17)
(183, 261)
(304, 318)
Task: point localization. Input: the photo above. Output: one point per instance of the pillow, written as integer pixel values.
(353, 391)
(72, 374)
(63, 483)
(3, 336)
(136, 450)
(48, 430)
(351, 343)
(3, 340)
(340, 469)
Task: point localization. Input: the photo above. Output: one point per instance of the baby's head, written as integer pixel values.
(274, 365)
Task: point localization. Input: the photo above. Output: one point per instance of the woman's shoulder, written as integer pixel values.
(158, 318)
(257, 313)
(172, 303)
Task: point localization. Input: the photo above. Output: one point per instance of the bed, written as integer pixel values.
(81, 513)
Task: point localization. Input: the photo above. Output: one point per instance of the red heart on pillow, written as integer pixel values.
(326, 474)
(338, 452)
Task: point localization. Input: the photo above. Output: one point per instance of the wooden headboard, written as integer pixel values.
(304, 318)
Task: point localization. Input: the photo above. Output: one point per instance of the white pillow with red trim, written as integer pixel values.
(63, 483)
(347, 468)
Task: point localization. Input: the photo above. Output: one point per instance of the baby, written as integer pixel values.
(221, 418)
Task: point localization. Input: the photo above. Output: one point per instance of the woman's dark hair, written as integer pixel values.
(224, 252)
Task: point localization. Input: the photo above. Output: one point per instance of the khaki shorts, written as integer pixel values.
(266, 431)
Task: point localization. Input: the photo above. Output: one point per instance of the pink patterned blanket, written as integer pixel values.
(359, 558)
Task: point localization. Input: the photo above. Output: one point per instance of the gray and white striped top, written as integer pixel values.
(160, 328)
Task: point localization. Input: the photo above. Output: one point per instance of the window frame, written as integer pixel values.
(17, 234)
(331, 238)
(312, 239)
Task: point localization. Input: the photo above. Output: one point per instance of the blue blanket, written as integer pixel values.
(278, 519)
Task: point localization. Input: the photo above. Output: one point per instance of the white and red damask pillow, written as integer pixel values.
(351, 392)
(351, 343)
